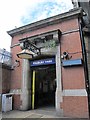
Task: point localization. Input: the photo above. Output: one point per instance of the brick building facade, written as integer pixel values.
(71, 96)
(5, 73)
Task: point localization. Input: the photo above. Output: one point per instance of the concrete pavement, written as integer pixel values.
(37, 113)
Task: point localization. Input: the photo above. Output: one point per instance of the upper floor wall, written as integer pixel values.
(70, 41)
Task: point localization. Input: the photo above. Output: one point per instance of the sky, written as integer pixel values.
(17, 13)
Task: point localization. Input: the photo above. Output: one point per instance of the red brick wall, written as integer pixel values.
(16, 102)
(75, 106)
(71, 43)
(16, 73)
(64, 26)
(72, 78)
(6, 77)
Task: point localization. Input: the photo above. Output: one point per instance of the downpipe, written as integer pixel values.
(85, 64)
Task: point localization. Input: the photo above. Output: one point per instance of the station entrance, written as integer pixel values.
(43, 82)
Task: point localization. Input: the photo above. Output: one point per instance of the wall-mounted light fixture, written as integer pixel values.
(29, 50)
(25, 54)
(66, 56)
(16, 64)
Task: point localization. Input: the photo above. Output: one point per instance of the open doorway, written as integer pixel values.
(43, 85)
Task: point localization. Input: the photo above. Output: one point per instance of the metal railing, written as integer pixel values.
(5, 57)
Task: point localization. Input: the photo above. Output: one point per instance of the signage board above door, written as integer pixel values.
(40, 62)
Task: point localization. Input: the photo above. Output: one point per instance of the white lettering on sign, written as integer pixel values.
(43, 62)
(38, 62)
(49, 61)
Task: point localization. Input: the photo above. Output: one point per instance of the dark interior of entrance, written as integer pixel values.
(45, 85)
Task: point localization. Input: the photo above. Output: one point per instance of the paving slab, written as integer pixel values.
(29, 114)
(38, 113)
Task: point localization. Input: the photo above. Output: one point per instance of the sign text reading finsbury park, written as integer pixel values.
(42, 62)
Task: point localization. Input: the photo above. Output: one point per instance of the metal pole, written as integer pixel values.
(33, 90)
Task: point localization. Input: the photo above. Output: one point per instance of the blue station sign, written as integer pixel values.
(47, 61)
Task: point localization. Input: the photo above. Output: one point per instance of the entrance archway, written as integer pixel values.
(49, 45)
(43, 84)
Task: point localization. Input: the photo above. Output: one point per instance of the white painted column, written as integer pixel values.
(25, 95)
(58, 81)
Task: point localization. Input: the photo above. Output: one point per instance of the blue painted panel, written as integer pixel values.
(42, 62)
(72, 62)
